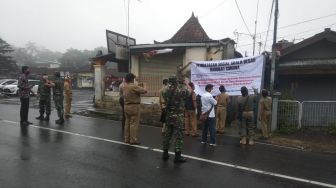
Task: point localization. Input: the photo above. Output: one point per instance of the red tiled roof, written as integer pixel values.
(190, 32)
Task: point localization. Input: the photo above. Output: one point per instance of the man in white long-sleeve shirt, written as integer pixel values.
(208, 102)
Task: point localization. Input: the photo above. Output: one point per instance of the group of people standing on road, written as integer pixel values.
(60, 89)
(178, 103)
(179, 114)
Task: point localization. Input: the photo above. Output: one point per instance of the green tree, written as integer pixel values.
(22, 57)
(74, 58)
(6, 61)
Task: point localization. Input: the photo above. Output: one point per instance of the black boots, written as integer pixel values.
(40, 117)
(46, 118)
(165, 155)
(179, 158)
(59, 121)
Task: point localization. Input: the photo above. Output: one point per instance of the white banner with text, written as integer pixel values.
(232, 73)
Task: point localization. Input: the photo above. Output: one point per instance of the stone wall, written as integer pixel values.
(149, 108)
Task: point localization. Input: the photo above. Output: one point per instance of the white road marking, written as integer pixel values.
(286, 147)
(7, 121)
(190, 157)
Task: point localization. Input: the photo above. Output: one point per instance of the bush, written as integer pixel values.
(332, 128)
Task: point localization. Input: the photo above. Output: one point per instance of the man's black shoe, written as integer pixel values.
(40, 117)
(46, 118)
(59, 121)
(179, 158)
(23, 123)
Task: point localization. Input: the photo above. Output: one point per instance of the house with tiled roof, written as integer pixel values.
(307, 70)
(151, 63)
(154, 62)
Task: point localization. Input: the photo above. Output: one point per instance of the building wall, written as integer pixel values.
(308, 87)
(195, 54)
(229, 51)
(85, 80)
(214, 53)
(305, 83)
(151, 71)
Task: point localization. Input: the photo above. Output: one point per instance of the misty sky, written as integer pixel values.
(62, 24)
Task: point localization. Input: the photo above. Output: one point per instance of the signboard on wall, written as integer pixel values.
(118, 44)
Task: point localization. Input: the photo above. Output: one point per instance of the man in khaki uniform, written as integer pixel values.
(132, 94)
(246, 115)
(265, 104)
(68, 96)
(190, 119)
(222, 103)
(163, 105)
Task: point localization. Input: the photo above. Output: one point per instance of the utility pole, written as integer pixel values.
(276, 12)
(275, 95)
(237, 35)
(255, 29)
(259, 44)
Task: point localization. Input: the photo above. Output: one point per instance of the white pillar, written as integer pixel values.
(99, 82)
(275, 102)
(135, 65)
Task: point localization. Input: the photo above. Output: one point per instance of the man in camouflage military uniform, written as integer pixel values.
(58, 97)
(44, 93)
(175, 97)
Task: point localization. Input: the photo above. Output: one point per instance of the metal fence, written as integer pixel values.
(289, 114)
(295, 114)
(318, 113)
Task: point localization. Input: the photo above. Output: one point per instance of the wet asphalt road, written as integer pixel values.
(81, 100)
(86, 152)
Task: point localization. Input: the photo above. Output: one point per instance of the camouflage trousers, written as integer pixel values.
(44, 105)
(177, 133)
(59, 105)
(246, 125)
(174, 129)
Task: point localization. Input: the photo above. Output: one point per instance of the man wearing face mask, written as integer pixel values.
(44, 93)
(24, 94)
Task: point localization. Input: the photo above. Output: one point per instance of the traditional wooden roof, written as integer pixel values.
(190, 32)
